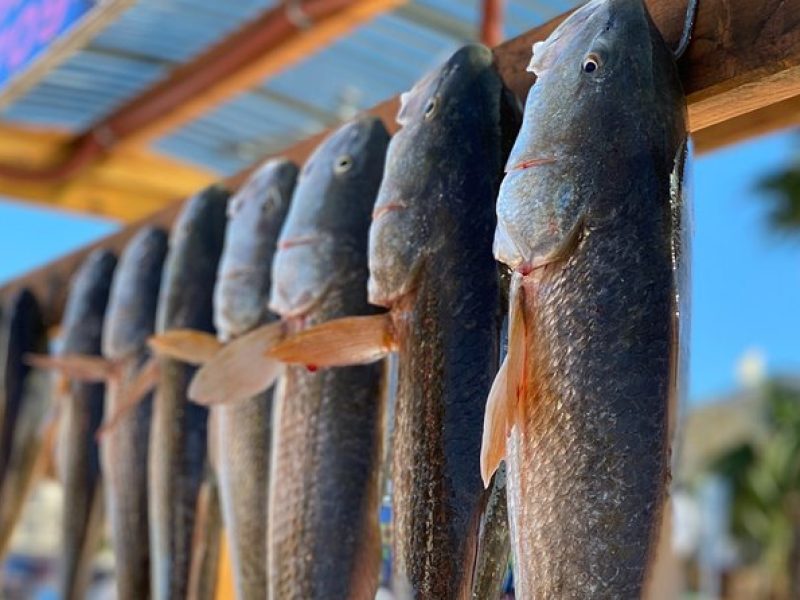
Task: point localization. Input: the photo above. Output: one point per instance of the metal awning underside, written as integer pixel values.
(378, 60)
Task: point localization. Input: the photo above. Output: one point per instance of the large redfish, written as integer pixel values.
(590, 218)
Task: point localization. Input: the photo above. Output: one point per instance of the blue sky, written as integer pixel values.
(746, 280)
(31, 236)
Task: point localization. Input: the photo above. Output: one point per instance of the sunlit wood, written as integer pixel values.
(127, 185)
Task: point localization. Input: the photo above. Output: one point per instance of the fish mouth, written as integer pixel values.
(301, 273)
(530, 163)
(391, 300)
(295, 323)
(237, 272)
(291, 305)
(505, 248)
(303, 240)
(378, 297)
(390, 207)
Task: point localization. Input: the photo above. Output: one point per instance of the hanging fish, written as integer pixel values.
(178, 437)
(242, 431)
(591, 220)
(25, 403)
(130, 320)
(430, 263)
(323, 538)
(80, 415)
(125, 364)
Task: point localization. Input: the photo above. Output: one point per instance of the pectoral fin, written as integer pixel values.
(347, 341)
(187, 345)
(505, 405)
(132, 392)
(518, 344)
(240, 370)
(495, 425)
(75, 366)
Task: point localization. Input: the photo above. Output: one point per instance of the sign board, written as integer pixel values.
(36, 35)
(28, 27)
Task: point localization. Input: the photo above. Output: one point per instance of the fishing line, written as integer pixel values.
(688, 29)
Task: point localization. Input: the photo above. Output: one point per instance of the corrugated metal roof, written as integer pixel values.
(129, 56)
(378, 60)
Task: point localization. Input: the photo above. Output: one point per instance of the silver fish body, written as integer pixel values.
(81, 413)
(242, 431)
(178, 435)
(129, 320)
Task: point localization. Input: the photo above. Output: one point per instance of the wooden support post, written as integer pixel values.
(492, 22)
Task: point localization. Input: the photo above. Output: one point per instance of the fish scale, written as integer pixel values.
(323, 507)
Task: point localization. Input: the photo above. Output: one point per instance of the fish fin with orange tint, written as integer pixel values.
(342, 342)
(132, 392)
(241, 369)
(78, 367)
(46, 459)
(504, 406)
(518, 344)
(187, 345)
(495, 425)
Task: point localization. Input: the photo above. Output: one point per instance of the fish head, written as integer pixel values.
(190, 269)
(410, 213)
(23, 331)
(130, 316)
(255, 216)
(605, 91)
(325, 230)
(82, 324)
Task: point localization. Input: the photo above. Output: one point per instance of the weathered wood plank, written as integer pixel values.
(745, 55)
(128, 184)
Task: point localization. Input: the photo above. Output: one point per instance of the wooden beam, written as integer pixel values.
(763, 121)
(745, 57)
(126, 185)
(261, 49)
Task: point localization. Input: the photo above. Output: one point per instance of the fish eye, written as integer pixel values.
(234, 206)
(591, 63)
(430, 107)
(343, 164)
(273, 197)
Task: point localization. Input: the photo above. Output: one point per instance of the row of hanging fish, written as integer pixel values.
(240, 368)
